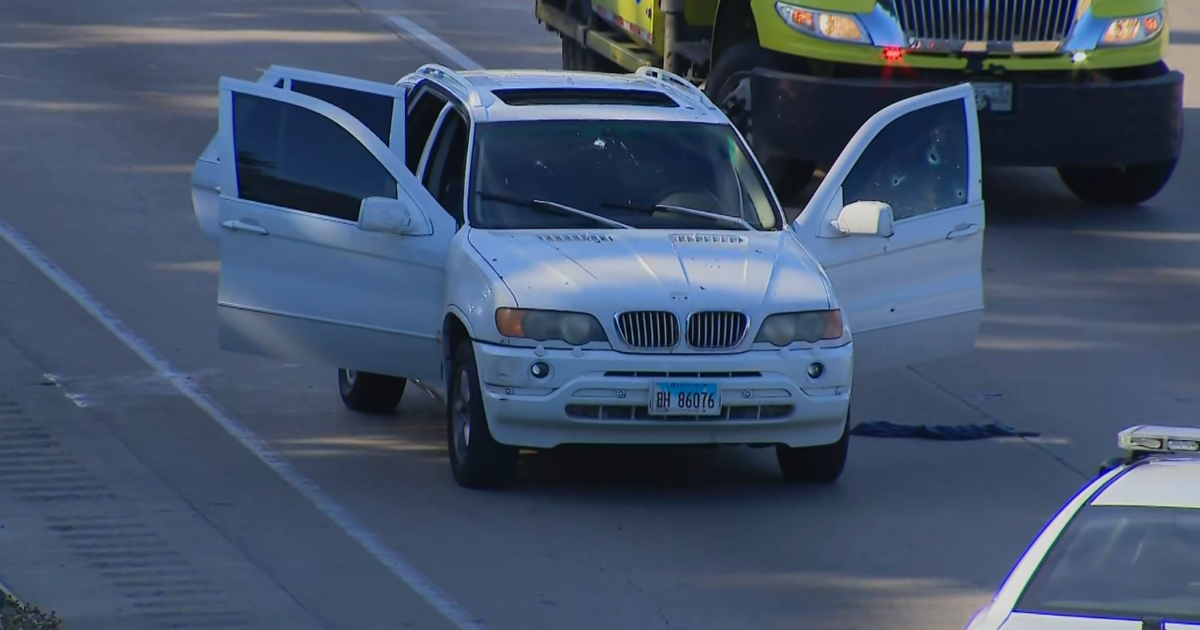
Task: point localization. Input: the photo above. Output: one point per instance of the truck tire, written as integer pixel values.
(1128, 186)
(370, 393)
(575, 56)
(728, 86)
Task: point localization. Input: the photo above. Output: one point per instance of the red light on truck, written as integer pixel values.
(892, 53)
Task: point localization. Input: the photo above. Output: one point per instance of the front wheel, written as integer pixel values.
(370, 393)
(1118, 186)
(476, 458)
(815, 464)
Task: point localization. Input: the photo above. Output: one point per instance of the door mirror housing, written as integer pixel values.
(865, 218)
(391, 216)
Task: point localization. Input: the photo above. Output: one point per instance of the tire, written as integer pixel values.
(1128, 186)
(577, 57)
(570, 58)
(815, 464)
(477, 460)
(370, 393)
(728, 86)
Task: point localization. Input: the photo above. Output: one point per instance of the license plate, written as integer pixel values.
(685, 398)
(997, 97)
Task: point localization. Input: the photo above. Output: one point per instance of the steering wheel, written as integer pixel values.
(694, 197)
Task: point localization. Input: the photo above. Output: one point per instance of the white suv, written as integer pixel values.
(572, 257)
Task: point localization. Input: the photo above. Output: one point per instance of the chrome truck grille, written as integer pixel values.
(715, 330)
(648, 330)
(1013, 21)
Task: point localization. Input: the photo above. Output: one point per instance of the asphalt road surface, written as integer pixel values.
(236, 492)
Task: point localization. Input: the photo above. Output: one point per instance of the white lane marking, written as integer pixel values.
(434, 42)
(80, 400)
(401, 568)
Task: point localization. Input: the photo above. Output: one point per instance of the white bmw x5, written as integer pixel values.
(573, 258)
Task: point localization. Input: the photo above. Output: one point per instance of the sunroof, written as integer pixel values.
(583, 96)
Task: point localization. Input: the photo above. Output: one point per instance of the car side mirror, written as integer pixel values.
(381, 214)
(865, 218)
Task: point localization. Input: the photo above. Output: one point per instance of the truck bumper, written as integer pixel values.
(1051, 124)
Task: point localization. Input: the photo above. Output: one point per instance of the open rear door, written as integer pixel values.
(379, 106)
(913, 292)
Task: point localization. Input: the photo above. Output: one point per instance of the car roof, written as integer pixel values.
(478, 88)
(1157, 482)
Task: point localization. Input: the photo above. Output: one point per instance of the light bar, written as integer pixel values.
(1157, 439)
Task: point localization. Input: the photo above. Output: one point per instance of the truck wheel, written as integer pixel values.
(370, 393)
(576, 56)
(570, 53)
(1128, 186)
(815, 464)
(476, 458)
(728, 86)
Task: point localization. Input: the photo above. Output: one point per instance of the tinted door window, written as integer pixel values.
(446, 173)
(917, 164)
(374, 110)
(421, 118)
(291, 157)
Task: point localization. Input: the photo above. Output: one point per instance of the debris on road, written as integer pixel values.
(949, 433)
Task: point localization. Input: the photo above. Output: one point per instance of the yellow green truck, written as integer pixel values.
(1078, 85)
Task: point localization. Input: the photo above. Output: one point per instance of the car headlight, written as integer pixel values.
(836, 26)
(576, 329)
(784, 329)
(1133, 30)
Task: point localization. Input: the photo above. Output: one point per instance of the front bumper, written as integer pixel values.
(601, 397)
(1120, 123)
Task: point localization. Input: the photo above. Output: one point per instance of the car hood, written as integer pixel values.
(615, 270)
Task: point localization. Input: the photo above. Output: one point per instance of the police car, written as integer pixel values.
(1123, 553)
(570, 257)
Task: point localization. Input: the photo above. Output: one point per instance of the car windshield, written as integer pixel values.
(1122, 562)
(635, 173)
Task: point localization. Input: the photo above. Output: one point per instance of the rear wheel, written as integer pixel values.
(1118, 186)
(370, 393)
(815, 464)
(728, 86)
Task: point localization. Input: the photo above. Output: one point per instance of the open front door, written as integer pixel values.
(331, 250)
(379, 106)
(898, 225)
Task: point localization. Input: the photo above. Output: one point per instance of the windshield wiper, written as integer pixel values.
(724, 218)
(554, 207)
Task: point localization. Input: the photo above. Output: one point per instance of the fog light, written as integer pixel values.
(540, 369)
(815, 370)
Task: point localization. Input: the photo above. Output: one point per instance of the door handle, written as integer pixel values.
(964, 230)
(238, 225)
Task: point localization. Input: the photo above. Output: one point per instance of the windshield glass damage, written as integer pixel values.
(644, 174)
